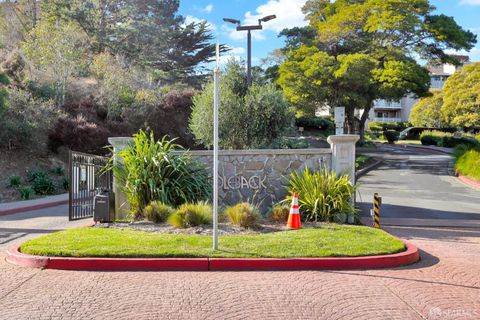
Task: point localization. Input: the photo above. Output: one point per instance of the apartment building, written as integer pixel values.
(399, 111)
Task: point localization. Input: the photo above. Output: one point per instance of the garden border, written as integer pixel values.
(409, 256)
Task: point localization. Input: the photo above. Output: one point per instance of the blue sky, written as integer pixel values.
(465, 12)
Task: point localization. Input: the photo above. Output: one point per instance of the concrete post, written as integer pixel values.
(121, 205)
(343, 153)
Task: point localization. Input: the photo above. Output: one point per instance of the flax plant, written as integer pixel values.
(149, 170)
(322, 194)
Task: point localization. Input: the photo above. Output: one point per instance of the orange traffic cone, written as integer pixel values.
(294, 216)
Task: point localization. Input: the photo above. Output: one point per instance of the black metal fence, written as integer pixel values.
(85, 180)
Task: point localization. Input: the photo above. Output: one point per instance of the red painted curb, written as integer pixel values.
(411, 255)
(470, 182)
(14, 256)
(33, 207)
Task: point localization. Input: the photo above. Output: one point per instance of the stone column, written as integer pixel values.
(121, 205)
(343, 154)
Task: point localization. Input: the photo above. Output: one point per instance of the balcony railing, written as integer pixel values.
(383, 104)
(387, 119)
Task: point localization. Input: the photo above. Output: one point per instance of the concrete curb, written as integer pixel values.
(470, 182)
(365, 170)
(432, 148)
(411, 255)
(33, 207)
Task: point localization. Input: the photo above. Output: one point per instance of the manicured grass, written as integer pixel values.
(467, 162)
(325, 241)
(416, 142)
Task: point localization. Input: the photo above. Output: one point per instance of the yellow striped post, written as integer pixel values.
(376, 211)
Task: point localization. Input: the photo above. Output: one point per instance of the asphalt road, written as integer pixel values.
(418, 188)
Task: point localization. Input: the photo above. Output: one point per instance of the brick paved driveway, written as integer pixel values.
(444, 285)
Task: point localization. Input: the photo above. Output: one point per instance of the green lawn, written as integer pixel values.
(325, 241)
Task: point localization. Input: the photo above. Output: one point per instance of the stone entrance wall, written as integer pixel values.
(258, 175)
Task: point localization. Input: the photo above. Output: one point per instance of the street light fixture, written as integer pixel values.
(249, 39)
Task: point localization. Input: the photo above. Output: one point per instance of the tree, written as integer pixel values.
(427, 112)
(249, 117)
(461, 99)
(58, 47)
(364, 50)
(147, 33)
(17, 19)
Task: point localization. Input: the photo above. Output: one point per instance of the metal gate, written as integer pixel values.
(85, 180)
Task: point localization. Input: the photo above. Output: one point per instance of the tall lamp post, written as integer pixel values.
(249, 39)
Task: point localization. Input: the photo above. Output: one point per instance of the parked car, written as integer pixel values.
(413, 133)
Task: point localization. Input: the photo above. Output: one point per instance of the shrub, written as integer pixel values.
(26, 121)
(243, 214)
(452, 141)
(391, 136)
(191, 215)
(59, 171)
(151, 170)
(432, 138)
(315, 122)
(25, 192)
(375, 126)
(287, 143)
(43, 185)
(250, 117)
(14, 181)
(322, 194)
(35, 174)
(157, 212)
(64, 183)
(78, 134)
(279, 213)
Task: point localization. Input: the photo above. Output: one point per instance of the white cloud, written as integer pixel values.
(190, 19)
(208, 8)
(236, 50)
(470, 2)
(289, 14)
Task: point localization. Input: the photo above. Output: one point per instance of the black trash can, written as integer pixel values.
(104, 206)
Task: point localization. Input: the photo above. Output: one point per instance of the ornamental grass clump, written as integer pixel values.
(322, 194)
(279, 213)
(192, 215)
(157, 212)
(150, 170)
(243, 214)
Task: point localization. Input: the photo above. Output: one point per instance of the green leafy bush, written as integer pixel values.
(391, 136)
(151, 170)
(315, 122)
(43, 185)
(157, 212)
(432, 138)
(26, 121)
(64, 183)
(376, 126)
(243, 214)
(191, 215)
(14, 181)
(35, 173)
(250, 117)
(25, 192)
(322, 194)
(279, 213)
(287, 143)
(452, 141)
(59, 171)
